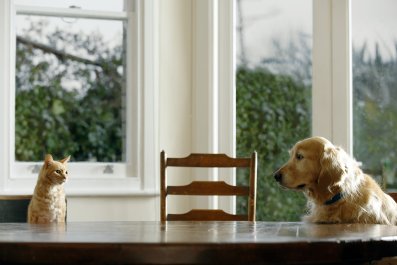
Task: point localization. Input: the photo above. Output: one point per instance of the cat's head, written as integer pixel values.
(55, 172)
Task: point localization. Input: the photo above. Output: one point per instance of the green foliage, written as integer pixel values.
(52, 116)
(41, 122)
(273, 112)
(375, 112)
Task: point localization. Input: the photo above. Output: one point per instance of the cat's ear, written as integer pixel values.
(48, 160)
(65, 160)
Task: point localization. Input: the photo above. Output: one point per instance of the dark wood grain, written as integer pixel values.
(195, 243)
(208, 188)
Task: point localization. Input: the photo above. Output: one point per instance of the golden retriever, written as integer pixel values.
(336, 188)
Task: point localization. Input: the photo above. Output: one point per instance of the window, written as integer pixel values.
(374, 37)
(273, 84)
(79, 87)
(354, 55)
(331, 93)
(70, 84)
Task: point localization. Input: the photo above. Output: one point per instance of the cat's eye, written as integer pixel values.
(58, 171)
(66, 172)
(299, 156)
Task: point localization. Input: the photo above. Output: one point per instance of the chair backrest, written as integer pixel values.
(14, 208)
(209, 188)
(393, 195)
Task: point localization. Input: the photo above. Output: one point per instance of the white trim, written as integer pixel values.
(4, 92)
(342, 84)
(70, 13)
(214, 88)
(151, 162)
(332, 107)
(205, 87)
(227, 76)
(205, 69)
(322, 70)
(227, 93)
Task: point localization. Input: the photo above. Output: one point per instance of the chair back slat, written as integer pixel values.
(208, 160)
(206, 215)
(208, 188)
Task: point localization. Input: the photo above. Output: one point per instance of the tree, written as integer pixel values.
(66, 103)
(375, 112)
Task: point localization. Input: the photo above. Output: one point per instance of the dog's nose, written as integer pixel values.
(278, 176)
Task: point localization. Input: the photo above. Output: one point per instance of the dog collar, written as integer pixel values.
(334, 199)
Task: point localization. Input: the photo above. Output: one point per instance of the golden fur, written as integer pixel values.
(322, 170)
(48, 203)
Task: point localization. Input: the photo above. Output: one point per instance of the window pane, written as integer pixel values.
(113, 5)
(274, 40)
(374, 37)
(69, 89)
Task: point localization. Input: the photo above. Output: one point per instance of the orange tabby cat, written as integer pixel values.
(48, 203)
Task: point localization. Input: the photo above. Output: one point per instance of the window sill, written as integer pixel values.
(111, 186)
(94, 193)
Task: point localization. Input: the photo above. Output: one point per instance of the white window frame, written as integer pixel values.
(214, 56)
(135, 177)
(332, 72)
(214, 87)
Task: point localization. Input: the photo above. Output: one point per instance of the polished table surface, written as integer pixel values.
(194, 243)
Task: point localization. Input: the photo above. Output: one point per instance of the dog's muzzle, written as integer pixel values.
(278, 176)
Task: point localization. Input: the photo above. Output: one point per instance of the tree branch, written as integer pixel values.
(61, 55)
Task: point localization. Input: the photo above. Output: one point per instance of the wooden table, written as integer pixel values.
(194, 243)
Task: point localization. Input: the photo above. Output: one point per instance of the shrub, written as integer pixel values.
(273, 112)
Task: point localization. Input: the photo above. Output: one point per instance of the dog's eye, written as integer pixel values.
(299, 156)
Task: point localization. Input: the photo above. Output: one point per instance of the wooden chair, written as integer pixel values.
(14, 208)
(209, 188)
(393, 195)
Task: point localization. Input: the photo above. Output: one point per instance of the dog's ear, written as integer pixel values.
(332, 166)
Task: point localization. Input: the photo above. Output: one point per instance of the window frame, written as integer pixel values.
(214, 127)
(332, 72)
(331, 89)
(136, 176)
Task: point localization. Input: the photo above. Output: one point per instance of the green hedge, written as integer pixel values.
(273, 112)
(51, 117)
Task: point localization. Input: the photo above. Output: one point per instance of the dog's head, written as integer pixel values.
(315, 166)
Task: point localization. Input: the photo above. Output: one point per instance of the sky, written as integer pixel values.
(264, 20)
(111, 30)
(375, 21)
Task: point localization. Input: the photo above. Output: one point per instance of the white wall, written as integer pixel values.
(175, 101)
